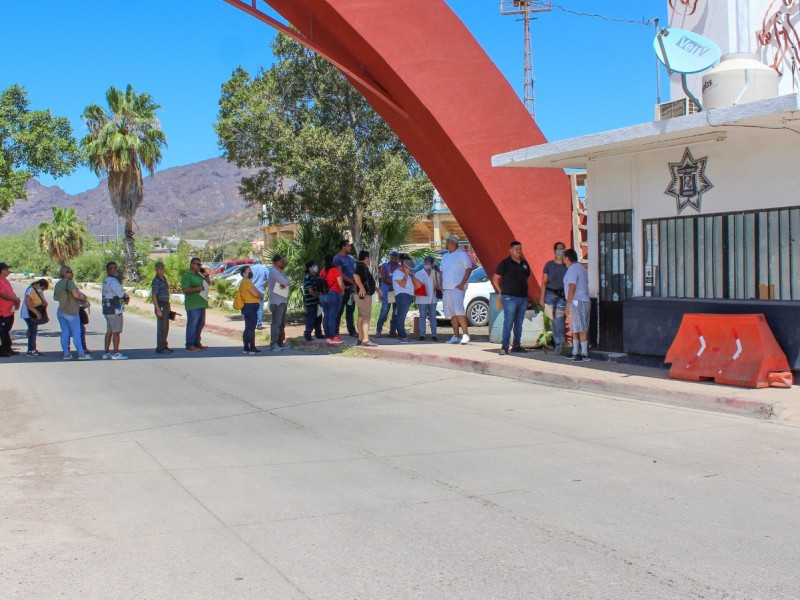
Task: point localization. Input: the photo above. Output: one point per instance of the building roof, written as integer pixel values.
(709, 125)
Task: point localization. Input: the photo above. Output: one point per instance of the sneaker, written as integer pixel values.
(392, 334)
(67, 357)
(259, 327)
(276, 349)
(169, 350)
(577, 358)
(85, 357)
(378, 332)
(558, 349)
(308, 338)
(32, 353)
(337, 340)
(585, 358)
(434, 338)
(422, 338)
(465, 339)
(334, 341)
(255, 351)
(519, 349)
(245, 351)
(202, 347)
(454, 340)
(503, 351)
(107, 355)
(193, 349)
(570, 356)
(118, 356)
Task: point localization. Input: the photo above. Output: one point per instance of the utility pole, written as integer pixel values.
(526, 8)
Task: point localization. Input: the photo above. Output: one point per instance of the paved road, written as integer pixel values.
(289, 476)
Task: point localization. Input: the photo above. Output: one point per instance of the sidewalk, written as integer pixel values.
(603, 377)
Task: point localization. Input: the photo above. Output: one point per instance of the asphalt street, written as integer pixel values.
(294, 475)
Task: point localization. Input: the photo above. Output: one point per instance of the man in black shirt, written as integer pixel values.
(510, 280)
(364, 290)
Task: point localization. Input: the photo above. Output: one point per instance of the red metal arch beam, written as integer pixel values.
(426, 75)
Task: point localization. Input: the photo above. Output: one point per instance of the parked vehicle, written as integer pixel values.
(476, 299)
(225, 265)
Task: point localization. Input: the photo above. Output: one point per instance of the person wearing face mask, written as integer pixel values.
(404, 283)
(427, 303)
(252, 298)
(311, 302)
(553, 295)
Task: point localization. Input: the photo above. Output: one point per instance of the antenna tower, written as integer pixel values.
(526, 8)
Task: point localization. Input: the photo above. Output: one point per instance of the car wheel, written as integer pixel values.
(478, 313)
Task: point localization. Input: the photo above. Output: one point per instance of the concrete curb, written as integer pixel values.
(714, 400)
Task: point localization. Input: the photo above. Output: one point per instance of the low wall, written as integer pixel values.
(650, 324)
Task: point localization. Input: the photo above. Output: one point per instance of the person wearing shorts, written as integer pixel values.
(365, 288)
(456, 269)
(114, 301)
(579, 306)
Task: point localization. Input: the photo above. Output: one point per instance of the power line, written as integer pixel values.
(603, 17)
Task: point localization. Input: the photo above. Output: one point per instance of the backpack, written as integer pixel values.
(238, 301)
(321, 286)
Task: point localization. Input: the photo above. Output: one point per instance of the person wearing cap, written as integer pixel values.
(387, 294)
(160, 295)
(278, 297)
(69, 299)
(9, 302)
(456, 269)
(427, 303)
(365, 289)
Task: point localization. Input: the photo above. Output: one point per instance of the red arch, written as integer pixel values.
(426, 75)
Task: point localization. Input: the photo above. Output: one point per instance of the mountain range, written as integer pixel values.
(183, 199)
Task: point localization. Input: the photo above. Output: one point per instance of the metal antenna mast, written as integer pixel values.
(526, 8)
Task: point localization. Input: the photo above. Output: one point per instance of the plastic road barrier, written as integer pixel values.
(730, 349)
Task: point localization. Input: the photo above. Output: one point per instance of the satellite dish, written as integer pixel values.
(685, 52)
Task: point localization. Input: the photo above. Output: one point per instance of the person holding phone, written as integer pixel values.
(404, 282)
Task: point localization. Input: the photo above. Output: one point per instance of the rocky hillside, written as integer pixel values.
(188, 197)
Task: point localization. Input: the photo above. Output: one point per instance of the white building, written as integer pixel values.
(698, 213)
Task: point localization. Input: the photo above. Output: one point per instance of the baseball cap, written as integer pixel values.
(393, 252)
(4, 266)
(276, 258)
(452, 238)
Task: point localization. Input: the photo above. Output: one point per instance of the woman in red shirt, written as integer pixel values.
(331, 301)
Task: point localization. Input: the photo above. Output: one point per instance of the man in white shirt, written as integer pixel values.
(579, 306)
(278, 296)
(456, 269)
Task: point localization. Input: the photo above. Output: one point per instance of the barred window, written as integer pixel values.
(746, 255)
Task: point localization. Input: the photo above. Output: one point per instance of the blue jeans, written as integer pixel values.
(313, 322)
(330, 311)
(559, 323)
(33, 330)
(402, 304)
(384, 314)
(514, 308)
(195, 321)
(427, 312)
(250, 314)
(70, 328)
(260, 313)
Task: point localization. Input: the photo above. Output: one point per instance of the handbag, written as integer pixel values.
(420, 290)
(84, 315)
(43, 319)
(173, 314)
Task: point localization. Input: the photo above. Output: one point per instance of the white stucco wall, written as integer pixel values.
(732, 24)
(752, 168)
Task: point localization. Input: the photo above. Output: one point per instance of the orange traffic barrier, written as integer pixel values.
(730, 349)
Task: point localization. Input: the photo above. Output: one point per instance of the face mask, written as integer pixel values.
(427, 267)
(314, 269)
(560, 253)
(250, 275)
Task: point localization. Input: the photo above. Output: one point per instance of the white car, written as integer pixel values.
(476, 299)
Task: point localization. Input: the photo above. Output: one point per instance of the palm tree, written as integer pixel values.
(121, 141)
(64, 238)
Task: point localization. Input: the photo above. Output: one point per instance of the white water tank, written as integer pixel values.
(738, 78)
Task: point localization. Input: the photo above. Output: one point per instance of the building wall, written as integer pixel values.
(732, 24)
(751, 169)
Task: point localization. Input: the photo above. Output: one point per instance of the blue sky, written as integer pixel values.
(591, 75)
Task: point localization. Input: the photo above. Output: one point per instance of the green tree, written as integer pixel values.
(123, 140)
(23, 253)
(31, 142)
(322, 152)
(65, 237)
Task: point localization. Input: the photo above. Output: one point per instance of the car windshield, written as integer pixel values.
(478, 275)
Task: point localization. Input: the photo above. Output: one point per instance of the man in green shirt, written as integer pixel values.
(195, 284)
